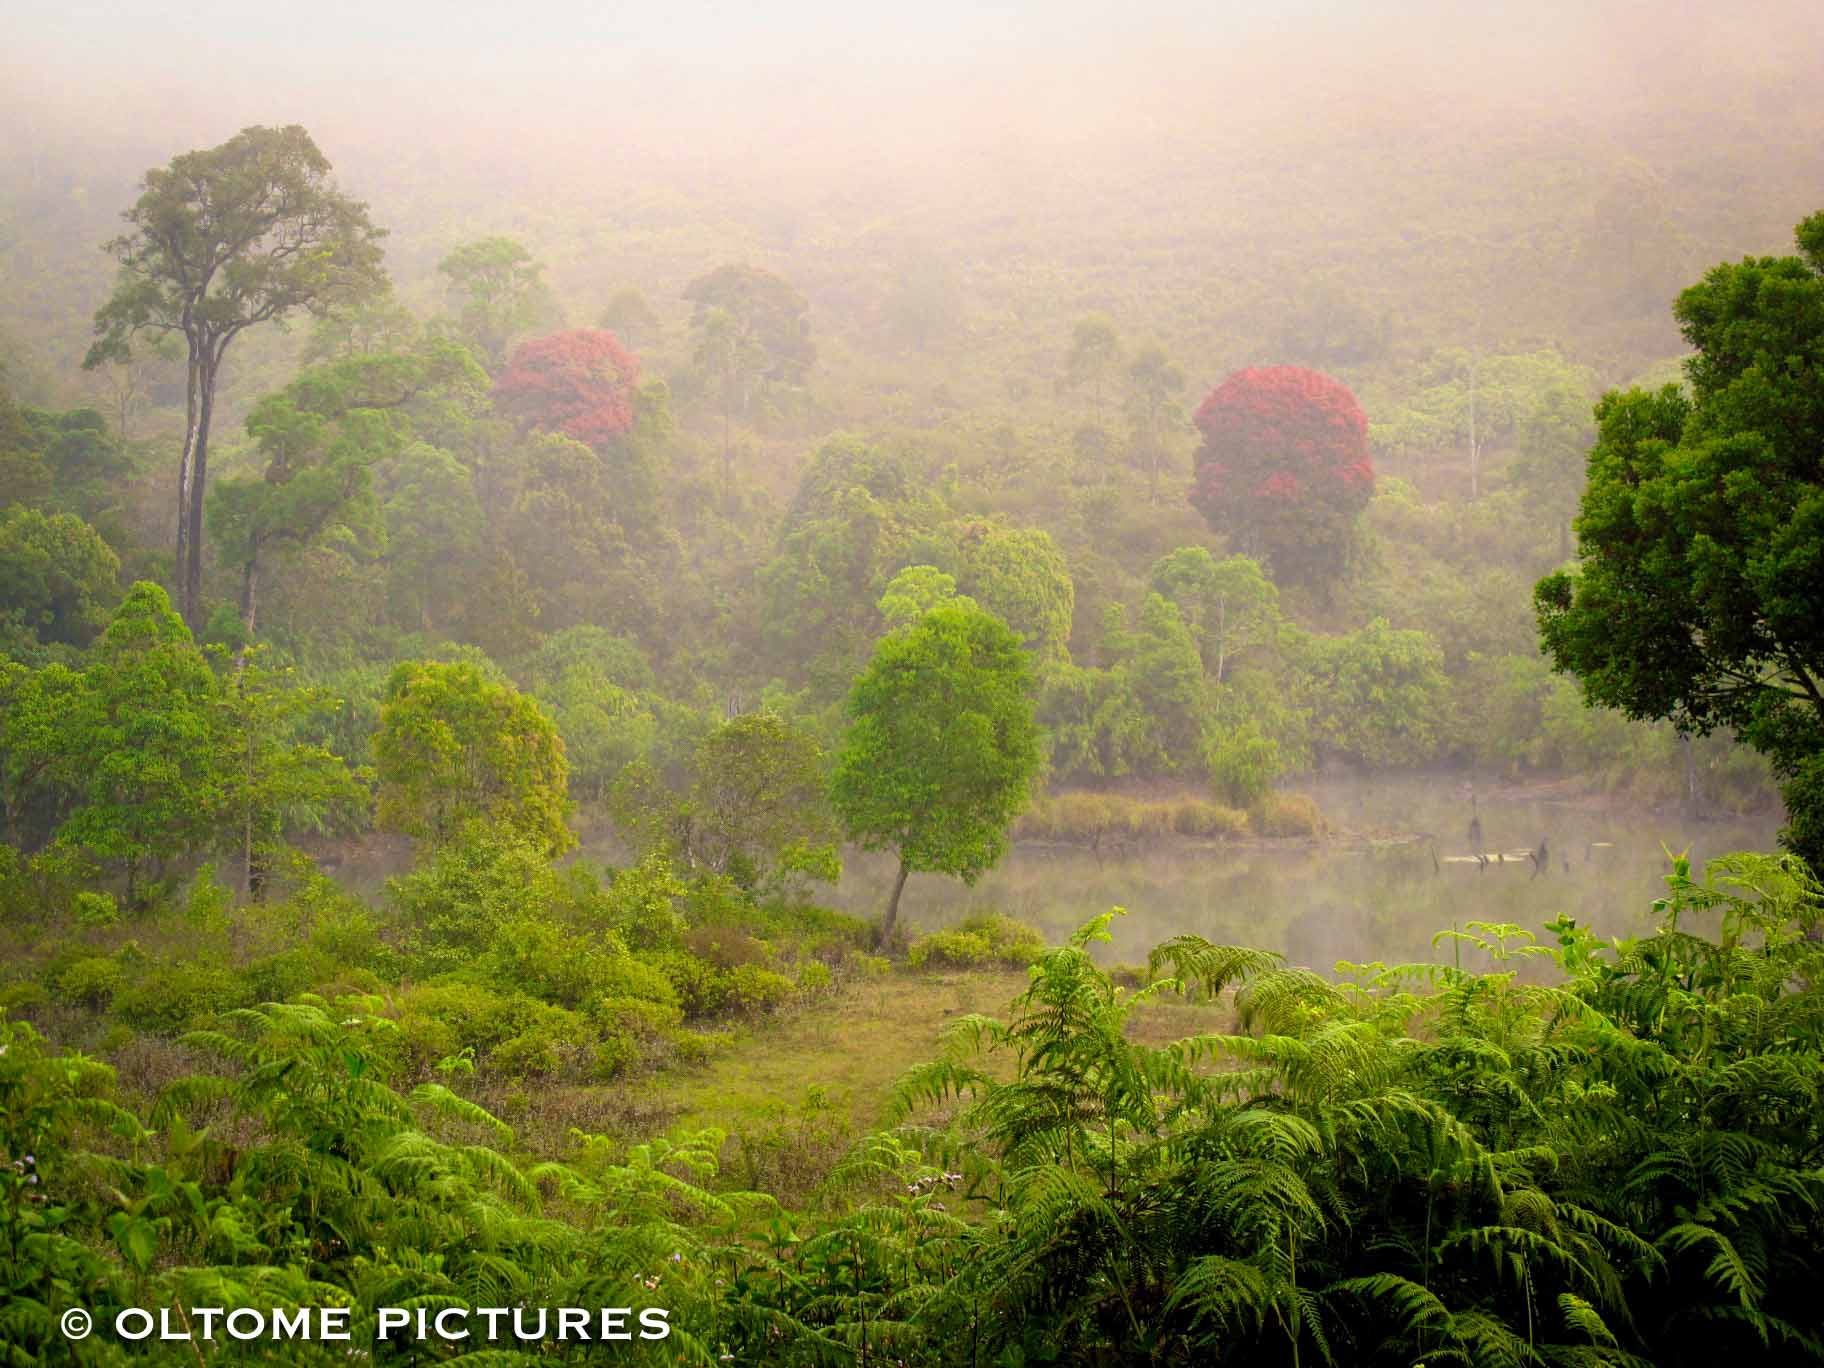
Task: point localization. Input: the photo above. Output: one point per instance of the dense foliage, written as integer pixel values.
(1284, 466)
(1419, 1163)
(1701, 538)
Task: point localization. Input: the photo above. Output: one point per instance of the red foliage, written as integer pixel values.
(1284, 466)
(579, 383)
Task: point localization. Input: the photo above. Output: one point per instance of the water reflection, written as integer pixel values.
(1379, 895)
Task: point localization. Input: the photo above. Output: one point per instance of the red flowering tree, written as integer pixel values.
(1284, 468)
(579, 383)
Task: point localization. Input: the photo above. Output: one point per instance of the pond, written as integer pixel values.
(1371, 892)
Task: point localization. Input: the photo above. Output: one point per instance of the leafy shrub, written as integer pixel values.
(950, 949)
(625, 976)
(23, 995)
(440, 1019)
(531, 1054)
(96, 909)
(700, 987)
(637, 1017)
(281, 977)
(725, 947)
(457, 903)
(92, 982)
(815, 978)
(614, 1055)
(1287, 814)
(167, 998)
(642, 906)
(550, 962)
(753, 989)
(982, 939)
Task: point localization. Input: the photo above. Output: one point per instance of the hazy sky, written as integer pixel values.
(845, 81)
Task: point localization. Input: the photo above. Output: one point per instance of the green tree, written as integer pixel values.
(320, 436)
(733, 362)
(501, 295)
(941, 747)
(457, 744)
(1153, 383)
(138, 744)
(220, 241)
(1698, 595)
(770, 317)
(1376, 694)
(628, 316)
(58, 578)
(1095, 350)
(1228, 605)
(1162, 676)
(274, 781)
(755, 809)
(1019, 575)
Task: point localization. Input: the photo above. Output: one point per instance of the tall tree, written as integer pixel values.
(219, 241)
(1153, 383)
(768, 312)
(1095, 349)
(1228, 605)
(320, 436)
(732, 362)
(502, 292)
(941, 747)
(1698, 595)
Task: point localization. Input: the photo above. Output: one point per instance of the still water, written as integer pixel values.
(1373, 892)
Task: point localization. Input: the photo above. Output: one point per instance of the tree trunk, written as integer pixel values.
(890, 922)
(198, 470)
(185, 464)
(250, 577)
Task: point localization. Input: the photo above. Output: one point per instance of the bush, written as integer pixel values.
(1287, 814)
(1012, 942)
(168, 998)
(614, 1055)
(542, 958)
(950, 949)
(754, 989)
(815, 978)
(439, 1019)
(635, 1017)
(23, 996)
(624, 976)
(91, 982)
(725, 947)
(700, 987)
(281, 977)
(533, 1053)
(95, 909)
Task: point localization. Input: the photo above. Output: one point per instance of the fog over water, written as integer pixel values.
(1372, 892)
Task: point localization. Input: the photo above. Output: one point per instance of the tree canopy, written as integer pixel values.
(1701, 537)
(941, 746)
(220, 241)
